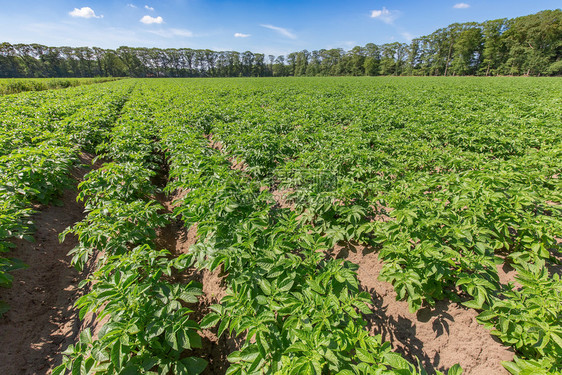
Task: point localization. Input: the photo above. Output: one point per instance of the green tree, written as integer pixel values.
(372, 59)
(467, 51)
(534, 42)
(356, 62)
(301, 63)
(493, 52)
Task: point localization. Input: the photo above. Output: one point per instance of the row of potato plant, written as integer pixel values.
(144, 315)
(446, 178)
(446, 193)
(299, 311)
(41, 138)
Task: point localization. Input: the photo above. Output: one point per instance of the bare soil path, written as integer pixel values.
(176, 238)
(42, 321)
(439, 337)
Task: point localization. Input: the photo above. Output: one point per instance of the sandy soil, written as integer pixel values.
(176, 238)
(439, 337)
(42, 321)
(214, 350)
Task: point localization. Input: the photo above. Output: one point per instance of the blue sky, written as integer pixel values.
(270, 27)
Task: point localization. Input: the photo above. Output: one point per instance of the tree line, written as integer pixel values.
(528, 45)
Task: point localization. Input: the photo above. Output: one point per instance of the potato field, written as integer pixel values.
(369, 225)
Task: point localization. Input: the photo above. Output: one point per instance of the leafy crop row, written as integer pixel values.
(299, 311)
(147, 328)
(447, 181)
(14, 86)
(529, 318)
(41, 137)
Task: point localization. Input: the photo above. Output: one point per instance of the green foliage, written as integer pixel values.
(36, 173)
(38, 150)
(14, 86)
(445, 178)
(126, 182)
(148, 327)
(529, 318)
(442, 192)
(299, 312)
(115, 226)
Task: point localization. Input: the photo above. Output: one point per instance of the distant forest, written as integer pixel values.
(529, 45)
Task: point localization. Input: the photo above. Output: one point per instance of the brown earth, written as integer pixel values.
(281, 198)
(439, 337)
(42, 321)
(215, 350)
(178, 239)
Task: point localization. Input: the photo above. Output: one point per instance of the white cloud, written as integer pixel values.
(241, 35)
(281, 31)
(461, 6)
(147, 20)
(346, 43)
(385, 15)
(148, 8)
(85, 12)
(406, 35)
(131, 5)
(170, 33)
(181, 32)
(67, 34)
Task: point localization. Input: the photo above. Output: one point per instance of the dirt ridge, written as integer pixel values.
(440, 336)
(42, 321)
